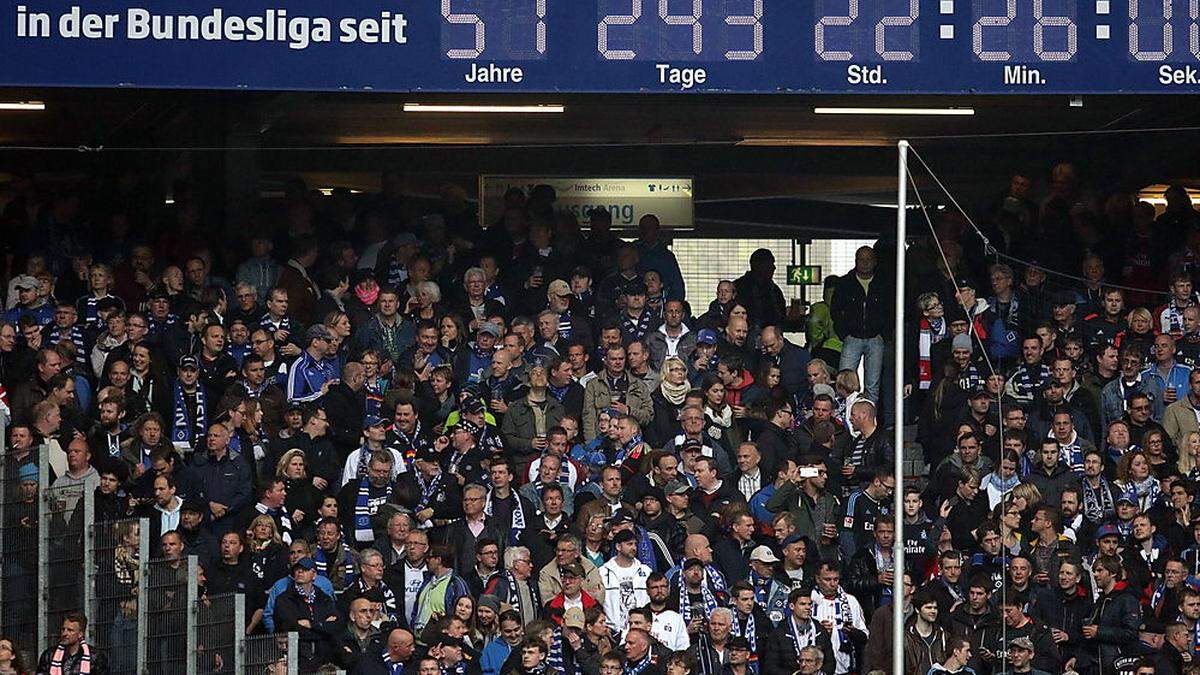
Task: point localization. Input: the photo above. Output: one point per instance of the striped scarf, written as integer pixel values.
(363, 511)
(706, 595)
(60, 652)
(74, 335)
(930, 334)
(518, 517)
(748, 630)
(325, 565)
(631, 451)
(187, 429)
(514, 594)
(268, 324)
(556, 662)
(428, 490)
(1098, 503)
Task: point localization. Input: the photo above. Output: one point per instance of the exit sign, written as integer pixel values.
(803, 275)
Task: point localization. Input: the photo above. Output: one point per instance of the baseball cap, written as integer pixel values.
(406, 239)
(188, 361)
(763, 554)
(1128, 497)
(573, 618)
(980, 392)
(792, 539)
(691, 444)
(373, 421)
(471, 406)
(572, 569)
(491, 602)
(558, 287)
(624, 536)
(304, 563)
(1107, 531)
(467, 426)
(635, 288)
(707, 336)
(1021, 643)
(26, 282)
(822, 388)
(318, 332)
(739, 643)
(28, 472)
(489, 328)
(426, 454)
(656, 493)
(158, 293)
(963, 282)
(692, 562)
(678, 487)
(448, 641)
(192, 505)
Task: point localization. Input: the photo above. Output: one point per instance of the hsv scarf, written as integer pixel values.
(514, 594)
(363, 511)
(185, 428)
(427, 490)
(630, 451)
(931, 332)
(325, 564)
(1098, 503)
(802, 638)
(518, 517)
(706, 595)
(744, 627)
(56, 659)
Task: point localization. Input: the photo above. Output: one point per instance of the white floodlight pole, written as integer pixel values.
(898, 408)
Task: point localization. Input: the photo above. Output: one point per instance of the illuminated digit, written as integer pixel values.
(1194, 27)
(1167, 42)
(480, 41)
(843, 20)
(1039, 34)
(541, 26)
(989, 22)
(635, 13)
(755, 21)
(692, 20)
(881, 34)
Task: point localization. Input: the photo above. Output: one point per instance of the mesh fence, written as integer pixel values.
(19, 526)
(271, 654)
(218, 620)
(119, 554)
(167, 615)
(65, 512)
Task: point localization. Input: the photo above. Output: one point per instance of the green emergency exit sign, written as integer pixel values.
(803, 275)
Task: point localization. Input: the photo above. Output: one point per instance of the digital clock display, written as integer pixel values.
(689, 46)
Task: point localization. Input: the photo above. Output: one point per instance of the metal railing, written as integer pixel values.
(272, 654)
(121, 550)
(63, 551)
(171, 595)
(220, 625)
(145, 616)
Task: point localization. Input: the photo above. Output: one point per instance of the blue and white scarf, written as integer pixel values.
(185, 429)
(707, 596)
(748, 630)
(1148, 492)
(518, 517)
(325, 565)
(630, 450)
(428, 490)
(363, 511)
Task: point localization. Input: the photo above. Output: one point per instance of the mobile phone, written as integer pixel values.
(809, 472)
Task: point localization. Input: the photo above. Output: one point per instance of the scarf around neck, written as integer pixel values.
(185, 428)
(60, 653)
(518, 517)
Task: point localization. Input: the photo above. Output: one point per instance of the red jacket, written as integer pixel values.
(555, 608)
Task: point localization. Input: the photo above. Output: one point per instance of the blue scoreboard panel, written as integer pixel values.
(693, 46)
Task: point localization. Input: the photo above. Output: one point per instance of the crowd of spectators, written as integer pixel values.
(432, 448)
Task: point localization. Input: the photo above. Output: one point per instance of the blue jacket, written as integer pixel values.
(307, 376)
(660, 259)
(371, 335)
(226, 481)
(282, 585)
(1156, 385)
(793, 369)
(493, 656)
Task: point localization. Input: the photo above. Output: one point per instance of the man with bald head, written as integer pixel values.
(697, 546)
(396, 658)
(80, 473)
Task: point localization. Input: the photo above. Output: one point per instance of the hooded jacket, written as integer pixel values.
(1118, 617)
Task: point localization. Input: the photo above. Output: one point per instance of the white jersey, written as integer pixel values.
(624, 589)
(670, 630)
(826, 609)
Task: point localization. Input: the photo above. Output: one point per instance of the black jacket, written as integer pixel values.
(1118, 616)
(779, 654)
(318, 644)
(1063, 611)
(862, 579)
(861, 314)
(345, 409)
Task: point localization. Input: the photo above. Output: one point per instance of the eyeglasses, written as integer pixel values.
(1139, 407)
